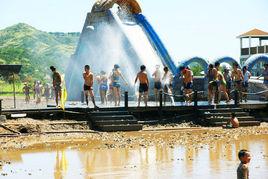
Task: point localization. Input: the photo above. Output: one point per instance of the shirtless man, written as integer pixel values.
(187, 83)
(213, 86)
(88, 84)
(144, 85)
(56, 84)
(237, 78)
(157, 83)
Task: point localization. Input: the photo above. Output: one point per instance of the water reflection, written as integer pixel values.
(217, 159)
(61, 165)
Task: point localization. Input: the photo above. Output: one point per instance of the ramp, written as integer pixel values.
(107, 39)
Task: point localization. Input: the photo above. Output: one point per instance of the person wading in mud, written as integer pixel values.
(88, 84)
(56, 84)
(243, 169)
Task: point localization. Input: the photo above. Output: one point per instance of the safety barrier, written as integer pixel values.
(161, 95)
(194, 95)
(1, 106)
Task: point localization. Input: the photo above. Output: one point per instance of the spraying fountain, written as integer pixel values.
(116, 32)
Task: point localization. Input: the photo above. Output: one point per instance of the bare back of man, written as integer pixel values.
(144, 85)
(237, 77)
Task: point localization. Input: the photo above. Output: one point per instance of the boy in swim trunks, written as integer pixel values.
(157, 83)
(187, 83)
(88, 84)
(213, 85)
(144, 85)
(237, 78)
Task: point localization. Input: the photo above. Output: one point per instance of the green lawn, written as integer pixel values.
(8, 88)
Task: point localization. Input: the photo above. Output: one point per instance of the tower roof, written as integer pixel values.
(257, 33)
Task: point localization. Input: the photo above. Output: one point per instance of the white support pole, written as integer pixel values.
(241, 46)
(249, 50)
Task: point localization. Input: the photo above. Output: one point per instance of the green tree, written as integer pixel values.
(197, 69)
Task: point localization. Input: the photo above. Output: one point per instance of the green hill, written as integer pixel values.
(36, 50)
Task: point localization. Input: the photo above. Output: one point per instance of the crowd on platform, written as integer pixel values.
(219, 82)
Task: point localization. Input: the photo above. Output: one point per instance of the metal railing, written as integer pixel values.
(161, 96)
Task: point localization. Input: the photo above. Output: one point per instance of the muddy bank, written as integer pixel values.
(30, 126)
(47, 133)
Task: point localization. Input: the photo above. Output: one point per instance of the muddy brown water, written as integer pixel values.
(215, 160)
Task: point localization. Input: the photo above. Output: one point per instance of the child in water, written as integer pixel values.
(242, 169)
(232, 123)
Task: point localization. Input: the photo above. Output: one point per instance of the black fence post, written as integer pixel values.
(126, 99)
(0, 106)
(195, 99)
(160, 105)
(161, 99)
(236, 99)
(82, 97)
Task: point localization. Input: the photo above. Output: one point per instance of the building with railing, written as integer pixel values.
(257, 44)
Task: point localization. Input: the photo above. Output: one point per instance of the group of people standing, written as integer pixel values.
(38, 90)
(221, 83)
(109, 86)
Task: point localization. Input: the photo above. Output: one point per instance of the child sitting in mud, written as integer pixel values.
(242, 169)
(232, 123)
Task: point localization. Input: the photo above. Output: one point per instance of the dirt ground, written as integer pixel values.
(28, 133)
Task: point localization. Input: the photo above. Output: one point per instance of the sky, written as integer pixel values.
(188, 28)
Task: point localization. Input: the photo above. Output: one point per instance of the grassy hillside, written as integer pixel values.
(36, 50)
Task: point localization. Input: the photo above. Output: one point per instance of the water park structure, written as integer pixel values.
(116, 32)
(116, 36)
(183, 132)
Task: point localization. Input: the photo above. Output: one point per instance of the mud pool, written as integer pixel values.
(216, 159)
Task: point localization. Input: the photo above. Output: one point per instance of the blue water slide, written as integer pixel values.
(156, 42)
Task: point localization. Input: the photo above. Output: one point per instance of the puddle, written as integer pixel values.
(217, 160)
